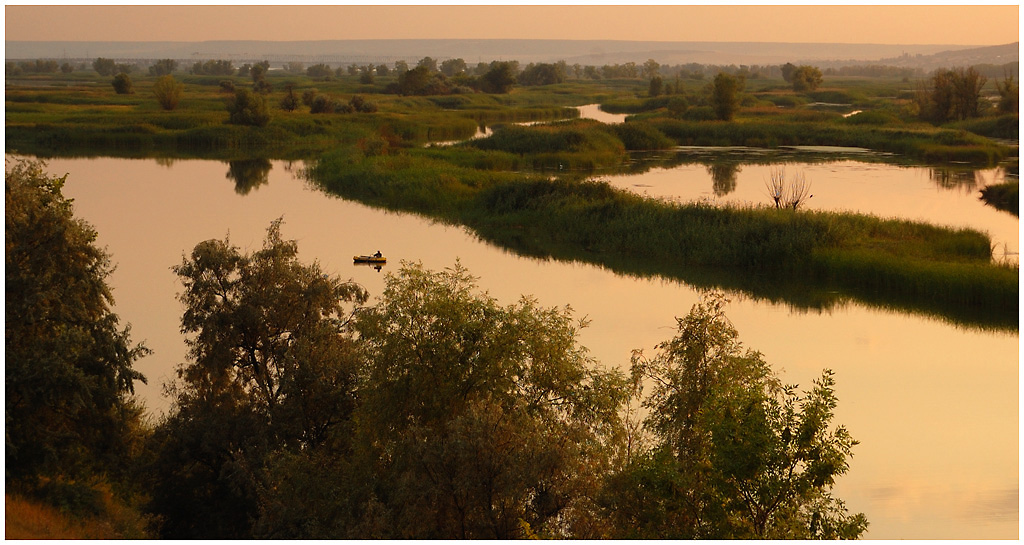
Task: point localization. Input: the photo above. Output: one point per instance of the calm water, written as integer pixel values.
(934, 407)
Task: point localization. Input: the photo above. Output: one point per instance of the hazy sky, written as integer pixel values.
(906, 24)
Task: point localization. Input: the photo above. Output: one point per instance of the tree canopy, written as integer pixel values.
(68, 363)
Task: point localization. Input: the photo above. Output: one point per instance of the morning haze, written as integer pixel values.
(963, 25)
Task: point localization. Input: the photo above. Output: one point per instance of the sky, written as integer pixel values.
(993, 24)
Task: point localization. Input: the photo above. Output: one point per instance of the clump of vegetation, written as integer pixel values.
(122, 84)
(168, 92)
(248, 108)
(1003, 197)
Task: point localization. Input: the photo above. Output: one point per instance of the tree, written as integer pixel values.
(655, 87)
(248, 108)
(725, 96)
(453, 67)
(258, 74)
(951, 94)
(734, 454)
(271, 370)
(319, 71)
(651, 68)
(480, 417)
(163, 67)
(788, 70)
(122, 84)
(429, 63)
(806, 78)
(104, 67)
(415, 81)
(500, 78)
(401, 66)
(168, 92)
(68, 368)
(290, 101)
(1009, 95)
(541, 74)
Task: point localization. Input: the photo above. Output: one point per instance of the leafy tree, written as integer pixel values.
(122, 84)
(66, 68)
(541, 74)
(68, 364)
(655, 87)
(806, 78)
(725, 96)
(401, 66)
(322, 104)
(734, 454)
(651, 68)
(500, 78)
(480, 417)
(272, 370)
(168, 92)
(104, 67)
(1009, 95)
(163, 67)
(951, 94)
(319, 71)
(788, 70)
(248, 108)
(429, 63)
(366, 77)
(382, 70)
(290, 101)
(453, 67)
(416, 81)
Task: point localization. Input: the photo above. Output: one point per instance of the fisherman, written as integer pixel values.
(378, 254)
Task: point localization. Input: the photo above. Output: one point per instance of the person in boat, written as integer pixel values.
(378, 254)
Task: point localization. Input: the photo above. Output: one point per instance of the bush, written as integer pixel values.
(123, 84)
(168, 92)
(248, 108)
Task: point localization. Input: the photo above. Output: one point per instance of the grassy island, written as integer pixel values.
(529, 187)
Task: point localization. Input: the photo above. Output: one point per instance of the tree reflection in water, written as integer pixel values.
(249, 174)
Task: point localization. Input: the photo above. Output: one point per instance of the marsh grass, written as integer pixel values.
(1004, 196)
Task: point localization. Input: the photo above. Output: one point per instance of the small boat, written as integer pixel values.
(369, 259)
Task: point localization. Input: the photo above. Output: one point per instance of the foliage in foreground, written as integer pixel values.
(734, 454)
(68, 363)
(438, 413)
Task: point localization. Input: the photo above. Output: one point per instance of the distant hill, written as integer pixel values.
(585, 52)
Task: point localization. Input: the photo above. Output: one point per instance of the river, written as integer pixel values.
(934, 406)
